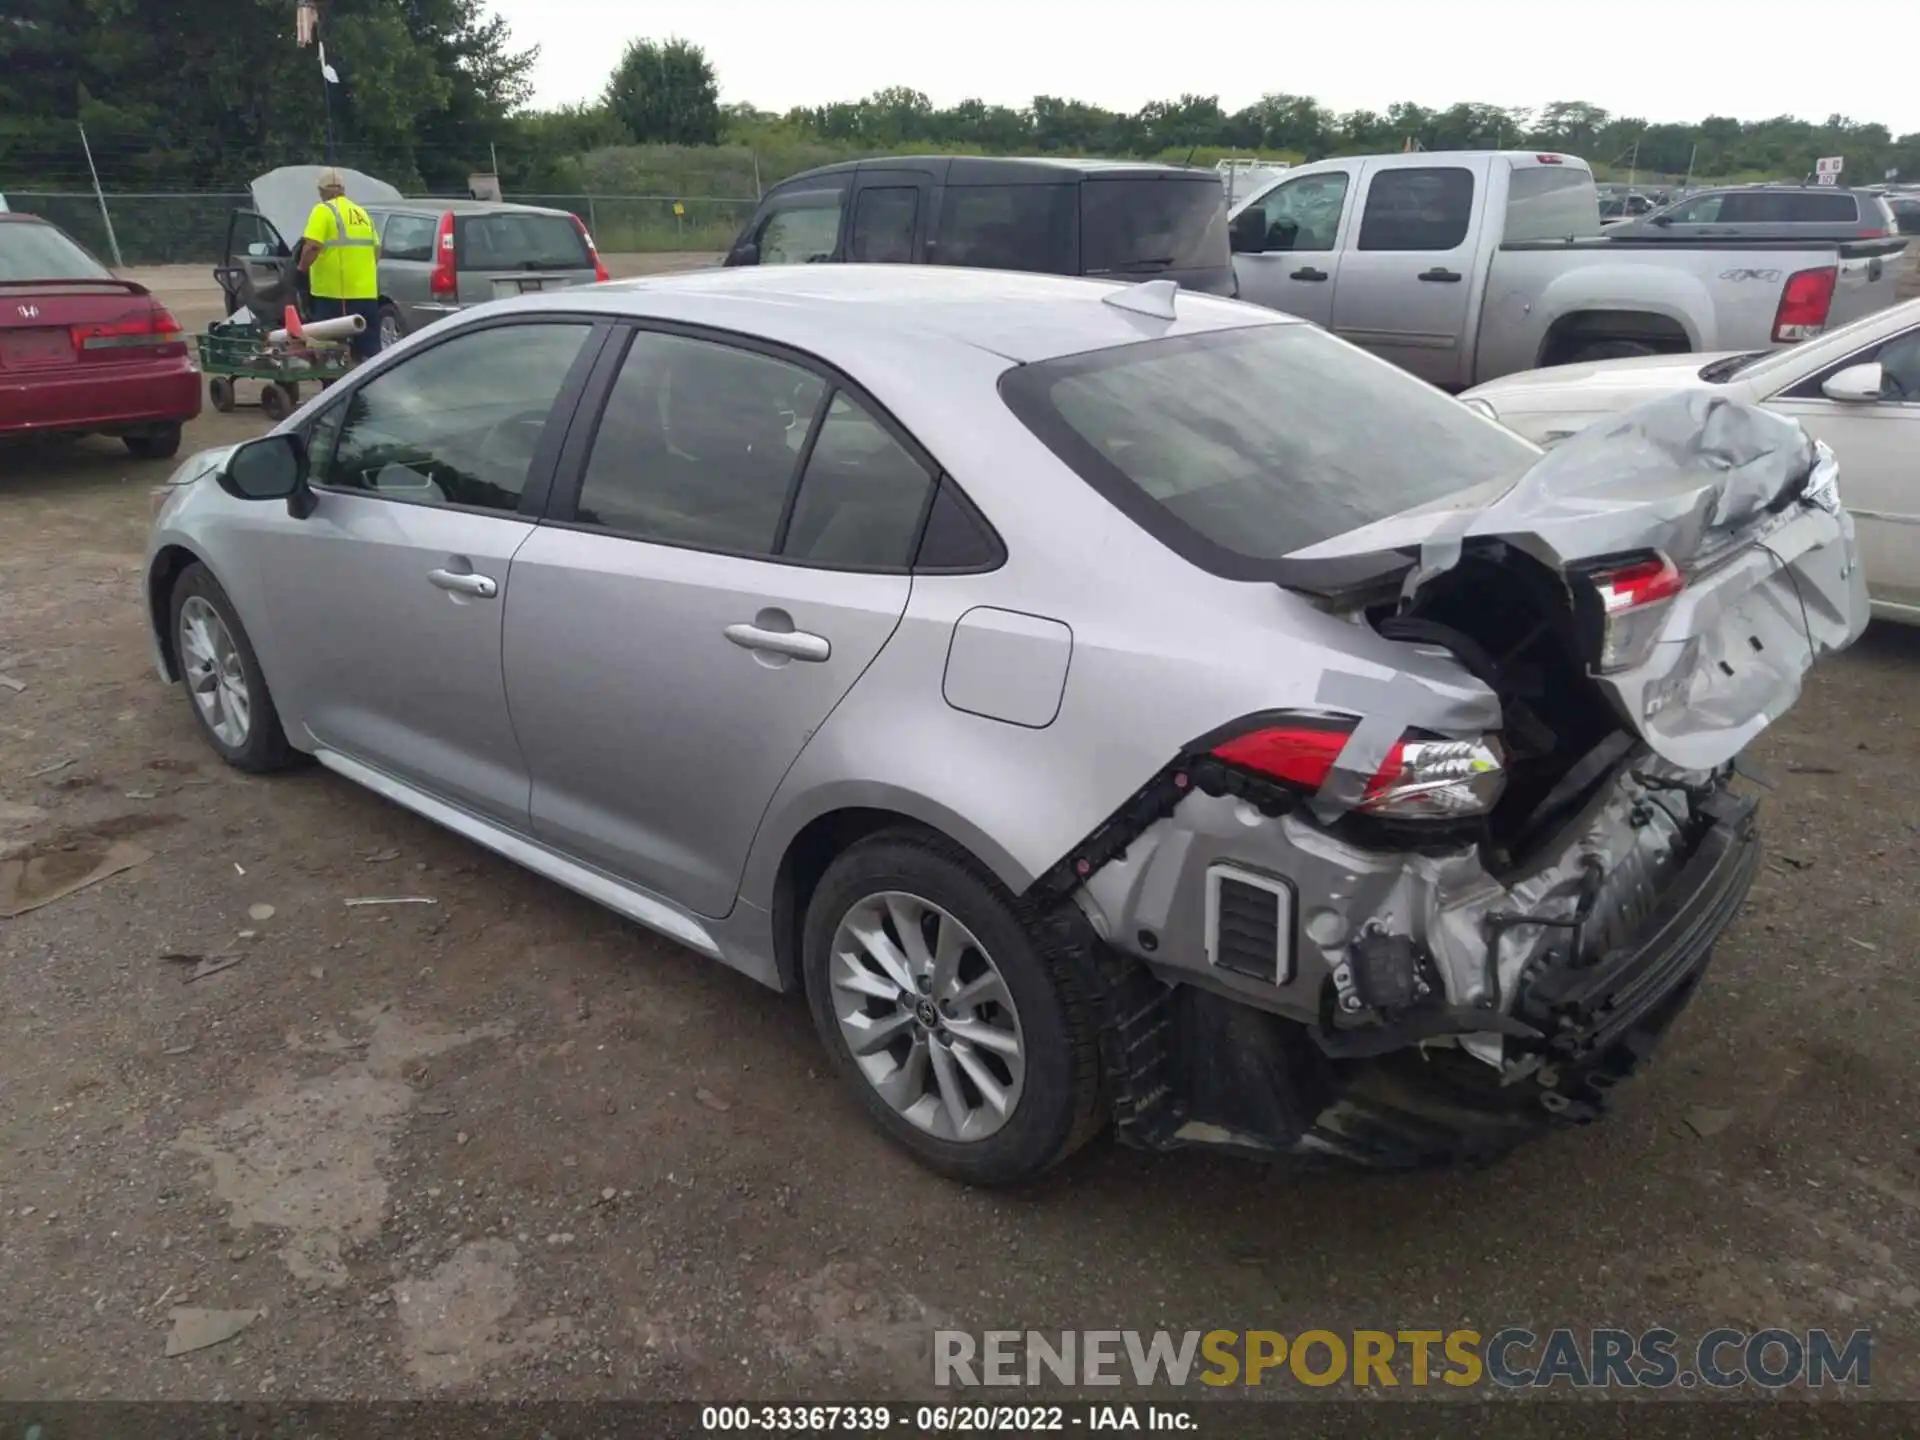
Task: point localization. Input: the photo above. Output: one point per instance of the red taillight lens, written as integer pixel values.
(445, 279)
(599, 271)
(154, 333)
(1804, 304)
(1634, 596)
(1419, 779)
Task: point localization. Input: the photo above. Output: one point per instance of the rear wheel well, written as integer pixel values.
(165, 572)
(809, 853)
(1573, 334)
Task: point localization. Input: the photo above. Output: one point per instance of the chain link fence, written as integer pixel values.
(190, 228)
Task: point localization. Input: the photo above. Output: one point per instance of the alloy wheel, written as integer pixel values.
(927, 1016)
(215, 677)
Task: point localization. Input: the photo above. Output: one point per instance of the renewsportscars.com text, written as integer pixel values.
(1511, 1358)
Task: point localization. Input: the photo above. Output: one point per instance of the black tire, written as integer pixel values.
(1609, 350)
(160, 443)
(390, 320)
(220, 393)
(276, 401)
(265, 748)
(1061, 1105)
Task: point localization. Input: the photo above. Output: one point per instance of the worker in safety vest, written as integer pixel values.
(340, 255)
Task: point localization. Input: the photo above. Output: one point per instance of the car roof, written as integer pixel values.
(841, 312)
(427, 205)
(1011, 169)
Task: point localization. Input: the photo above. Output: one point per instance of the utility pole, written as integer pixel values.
(113, 243)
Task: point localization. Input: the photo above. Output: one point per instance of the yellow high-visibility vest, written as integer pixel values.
(348, 267)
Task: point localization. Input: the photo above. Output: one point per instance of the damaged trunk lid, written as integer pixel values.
(1703, 551)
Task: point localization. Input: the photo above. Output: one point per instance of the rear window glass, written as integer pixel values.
(1551, 202)
(521, 242)
(1001, 227)
(30, 251)
(1140, 226)
(1239, 447)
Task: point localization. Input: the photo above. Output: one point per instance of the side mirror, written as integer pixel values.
(745, 253)
(1857, 384)
(1248, 234)
(273, 467)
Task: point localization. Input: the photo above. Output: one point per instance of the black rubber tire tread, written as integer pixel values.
(162, 443)
(266, 749)
(220, 393)
(1023, 1150)
(276, 401)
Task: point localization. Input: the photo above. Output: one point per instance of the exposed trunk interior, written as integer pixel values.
(1510, 620)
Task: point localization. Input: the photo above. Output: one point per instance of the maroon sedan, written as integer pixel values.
(84, 353)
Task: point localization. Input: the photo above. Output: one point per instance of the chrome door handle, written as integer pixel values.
(795, 644)
(482, 586)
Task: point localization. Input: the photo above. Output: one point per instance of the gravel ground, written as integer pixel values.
(506, 1144)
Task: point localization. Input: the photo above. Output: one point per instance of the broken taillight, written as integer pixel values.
(1419, 779)
(1634, 595)
(1804, 304)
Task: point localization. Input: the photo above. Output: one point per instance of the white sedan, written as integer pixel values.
(1858, 389)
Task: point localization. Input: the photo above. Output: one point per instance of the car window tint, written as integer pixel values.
(698, 445)
(1426, 208)
(1140, 226)
(513, 240)
(1000, 227)
(883, 221)
(861, 495)
(1258, 441)
(956, 538)
(255, 236)
(408, 237)
(1304, 214)
(803, 227)
(456, 424)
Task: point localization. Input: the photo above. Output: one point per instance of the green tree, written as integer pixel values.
(664, 93)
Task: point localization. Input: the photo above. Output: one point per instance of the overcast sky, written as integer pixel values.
(1660, 59)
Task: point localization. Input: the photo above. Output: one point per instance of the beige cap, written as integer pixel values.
(329, 179)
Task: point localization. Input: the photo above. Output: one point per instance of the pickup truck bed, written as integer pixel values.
(1464, 267)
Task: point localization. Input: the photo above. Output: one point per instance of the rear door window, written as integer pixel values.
(1138, 226)
(883, 223)
(862, 496)
(408, 237)
(698, 445)
(521, 242)
(1003, 227)
(1812, 207)
(1425, 208)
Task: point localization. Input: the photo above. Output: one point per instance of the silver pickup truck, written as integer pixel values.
(1463, 267)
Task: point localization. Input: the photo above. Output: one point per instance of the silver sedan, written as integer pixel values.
(1107, 705)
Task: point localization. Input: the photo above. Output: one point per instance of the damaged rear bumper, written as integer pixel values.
(1584, 976)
